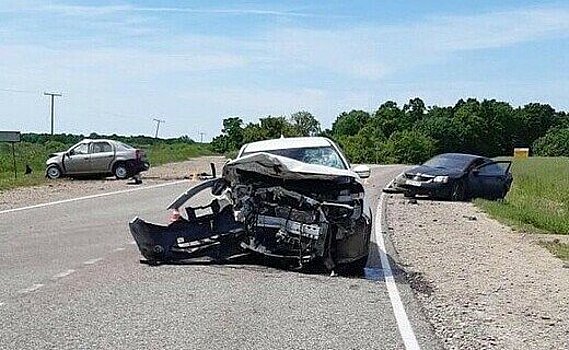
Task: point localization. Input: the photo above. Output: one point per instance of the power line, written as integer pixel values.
(158, 122)
(52, 94)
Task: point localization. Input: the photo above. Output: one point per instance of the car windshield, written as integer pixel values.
(327, 156)
(449, 162)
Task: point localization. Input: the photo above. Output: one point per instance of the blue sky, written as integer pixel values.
(193, 63)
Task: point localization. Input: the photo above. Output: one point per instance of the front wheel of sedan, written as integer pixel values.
(458, 192)
(53, 172)
(120, 171)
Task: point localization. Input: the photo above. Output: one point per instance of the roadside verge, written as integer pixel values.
(480, 284)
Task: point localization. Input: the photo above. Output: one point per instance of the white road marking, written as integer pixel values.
(63, 274)
(31, 289)
(92, 261)
(132, 242)
(119, 249)
(405, 329)
(91, 197)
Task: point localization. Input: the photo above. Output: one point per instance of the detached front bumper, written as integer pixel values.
(213, 236)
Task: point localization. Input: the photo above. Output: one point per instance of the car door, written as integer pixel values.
(490, 180)
(78, 160)
(102, 155)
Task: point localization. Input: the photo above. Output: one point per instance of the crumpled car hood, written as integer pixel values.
(284, 168)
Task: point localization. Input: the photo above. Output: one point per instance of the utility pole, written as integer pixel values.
(201, 136)
(158, 122)
(52, 94)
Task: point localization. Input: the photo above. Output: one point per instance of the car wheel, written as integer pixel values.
(458, 192)
(53, 172)
(120, 171)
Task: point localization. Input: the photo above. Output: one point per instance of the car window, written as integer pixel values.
(124, 146)
(81, 149)
(493, 169)
(314, 155)
(449, 162)
(100, 147)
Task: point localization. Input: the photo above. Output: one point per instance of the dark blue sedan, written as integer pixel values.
(458, 177)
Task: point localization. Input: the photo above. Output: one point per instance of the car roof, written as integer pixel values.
(460, 156)
(286, 143)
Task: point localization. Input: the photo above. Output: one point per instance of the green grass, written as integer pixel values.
(539, 198)
(35, 154)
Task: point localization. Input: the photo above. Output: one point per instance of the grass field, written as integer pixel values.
(538, 201)
(35, 154)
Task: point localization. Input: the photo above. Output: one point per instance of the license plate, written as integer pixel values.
(413, 183)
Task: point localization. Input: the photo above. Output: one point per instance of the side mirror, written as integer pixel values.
(363, 171)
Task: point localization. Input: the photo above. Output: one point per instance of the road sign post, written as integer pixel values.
(12, 137)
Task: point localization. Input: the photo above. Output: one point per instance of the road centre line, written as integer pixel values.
(31, 289)
(42, 205)
(405, 329)
(92, 261)
(63, 274)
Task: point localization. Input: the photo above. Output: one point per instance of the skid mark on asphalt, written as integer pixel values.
(63, 274)
(31, 289)
(92, 261)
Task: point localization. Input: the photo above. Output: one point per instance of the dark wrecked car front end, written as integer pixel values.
(268, 205)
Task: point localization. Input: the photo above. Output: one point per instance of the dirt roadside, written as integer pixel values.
(61, 189)
(481, 284)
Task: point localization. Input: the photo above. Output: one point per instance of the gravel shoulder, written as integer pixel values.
(66, 188)
(481, 284)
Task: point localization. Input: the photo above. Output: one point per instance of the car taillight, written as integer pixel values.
(175, 215)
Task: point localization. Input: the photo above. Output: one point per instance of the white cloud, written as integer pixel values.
(327, 70)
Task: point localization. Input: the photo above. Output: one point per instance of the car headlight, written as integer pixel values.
(441, 179)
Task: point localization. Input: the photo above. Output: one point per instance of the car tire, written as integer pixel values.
(458, 191)
(53, 172)
(120, 171)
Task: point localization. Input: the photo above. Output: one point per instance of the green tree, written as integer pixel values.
(389, 119)
(231, 137)
(408, 147)
(349, 124)
(305, 124)
(535, 119)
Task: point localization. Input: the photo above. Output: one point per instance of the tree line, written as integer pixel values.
(415, 132)
(70, 139)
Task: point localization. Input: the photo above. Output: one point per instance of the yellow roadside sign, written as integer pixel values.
(521, 152)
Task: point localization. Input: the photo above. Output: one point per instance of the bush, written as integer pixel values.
(554, 144)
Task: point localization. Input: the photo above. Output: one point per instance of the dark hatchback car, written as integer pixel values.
(457, 176)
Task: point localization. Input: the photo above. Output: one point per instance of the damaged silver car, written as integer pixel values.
(295, 199)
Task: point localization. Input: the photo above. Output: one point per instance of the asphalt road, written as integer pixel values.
(71, 279)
